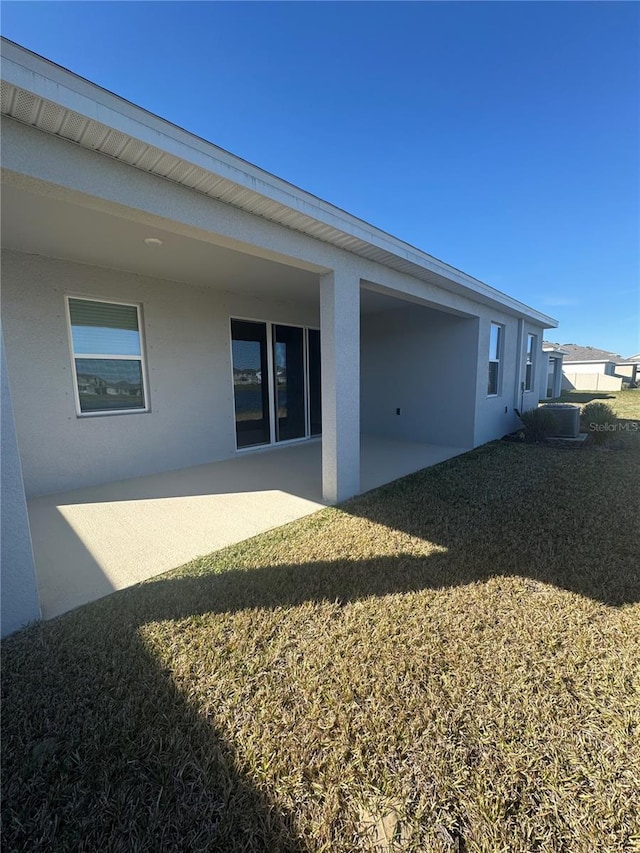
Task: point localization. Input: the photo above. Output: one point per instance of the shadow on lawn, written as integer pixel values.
(581, 397)
(117, 758)
(102, 752)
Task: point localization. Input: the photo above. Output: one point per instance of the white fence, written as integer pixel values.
(590, 382)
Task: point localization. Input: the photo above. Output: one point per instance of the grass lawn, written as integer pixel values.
(625, 403)
(451, 661)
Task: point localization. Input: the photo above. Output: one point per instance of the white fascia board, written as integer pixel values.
(591, 361)
(47, 80)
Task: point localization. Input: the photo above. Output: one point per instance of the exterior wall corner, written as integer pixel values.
(20, 603)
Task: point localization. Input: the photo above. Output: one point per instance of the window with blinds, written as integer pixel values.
(107, 356)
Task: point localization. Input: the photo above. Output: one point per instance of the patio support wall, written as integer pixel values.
(517, 386)
(20, 603)
(340, 328)
(557, 376)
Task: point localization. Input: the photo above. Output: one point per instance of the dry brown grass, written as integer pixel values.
(448, 663)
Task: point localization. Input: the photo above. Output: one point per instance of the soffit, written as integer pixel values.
(207, 169)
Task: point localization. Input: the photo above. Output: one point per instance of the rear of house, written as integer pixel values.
(168, 305)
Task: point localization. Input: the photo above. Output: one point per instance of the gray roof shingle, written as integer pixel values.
(578, 353)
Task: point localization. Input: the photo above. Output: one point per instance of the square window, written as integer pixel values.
(107, 356)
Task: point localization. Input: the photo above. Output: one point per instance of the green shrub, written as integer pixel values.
(539, 424)
(597, 419)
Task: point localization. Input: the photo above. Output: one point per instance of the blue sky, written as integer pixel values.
(502, 137)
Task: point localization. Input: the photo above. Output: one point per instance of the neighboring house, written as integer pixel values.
(158, 292)
(592, 369)
(629, 370)
(552, 357)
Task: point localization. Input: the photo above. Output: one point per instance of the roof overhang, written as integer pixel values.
(590, 361)
(44, 95)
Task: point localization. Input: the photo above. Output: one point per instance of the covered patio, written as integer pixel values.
(90, 542)
(177, 321)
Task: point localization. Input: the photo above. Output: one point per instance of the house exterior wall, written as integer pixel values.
(186, 330)
(403, 351)
(547, 365)
(186, 326)
(530, 399)
(18, 585)
(606, 367)
(551, 376)
(191, 421)
(495, 415)
(628, 371)
(423, 363)
(340, 383)
(186, 421)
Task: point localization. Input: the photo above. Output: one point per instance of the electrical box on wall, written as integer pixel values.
(397, 411)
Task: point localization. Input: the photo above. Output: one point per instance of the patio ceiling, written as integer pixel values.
(49, 226)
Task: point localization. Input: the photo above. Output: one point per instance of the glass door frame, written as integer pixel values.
(271, 385)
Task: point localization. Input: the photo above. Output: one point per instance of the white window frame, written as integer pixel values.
(497, 360)
(141, 358)
(530, 361)
(273, 443)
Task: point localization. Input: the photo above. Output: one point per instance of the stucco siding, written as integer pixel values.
(530, 399)
(421, 362)
(550, 376)
(494, 414)
(604, 367)
(628, 371)
(186, 331)
(18, 587)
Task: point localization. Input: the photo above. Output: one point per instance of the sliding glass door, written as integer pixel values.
(250, 382)
(276, 382)
(315, 400)
(288, 362)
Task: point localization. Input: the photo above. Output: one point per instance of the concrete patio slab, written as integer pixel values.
(383, 460)
(90, 542)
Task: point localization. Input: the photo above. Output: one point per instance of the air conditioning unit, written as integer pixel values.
(568, 418)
